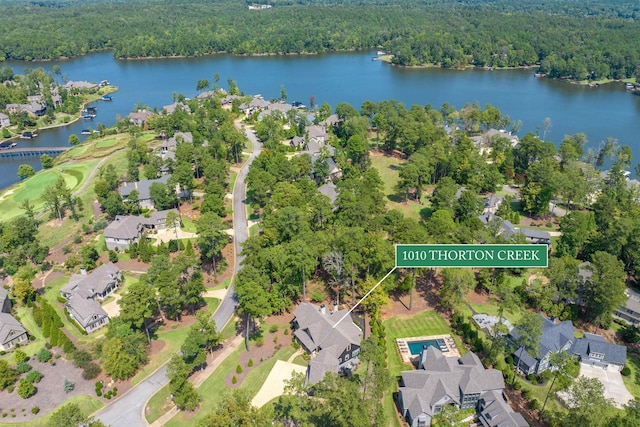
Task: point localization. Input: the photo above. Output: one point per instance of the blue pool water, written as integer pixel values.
(415, 347)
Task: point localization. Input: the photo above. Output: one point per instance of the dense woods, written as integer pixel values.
(566, 39)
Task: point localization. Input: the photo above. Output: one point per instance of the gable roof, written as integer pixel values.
(613, 353)
(96, 282)
(3, 297)
(496, 412)
(124, 227)
(555, 336)
(85, 311)
(143, 187)
(444, 380)
(329, 190)
(9, 328)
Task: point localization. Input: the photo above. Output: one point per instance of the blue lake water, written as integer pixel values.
(607, 111)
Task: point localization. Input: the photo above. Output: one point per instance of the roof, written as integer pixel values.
(9, 328)
(169, 109)
(496, 412)
(3, 116)
(585, 271)
(316, 131)
(143, 187)
(85, 311)
(97, 281)
(613, 353)
(318, 332)
(124, 227)
(532, 233)
(3, 296)
(555, 336)
(172, 142)
(444, 379)
(141, 115)
(329, 190)
(80, 85)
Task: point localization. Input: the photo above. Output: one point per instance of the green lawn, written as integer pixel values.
(87, 404)
(254, 229)
(188, 225)
(51, 293)
(388, 167)
(223, 285)
(633, 380)
(422, 324)
(210, 388)
(106, 143)
(158, 405)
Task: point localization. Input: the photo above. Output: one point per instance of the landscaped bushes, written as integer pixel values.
(626, 371)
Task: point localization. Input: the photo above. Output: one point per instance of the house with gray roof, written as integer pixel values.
(334, 346)
(329, 190)
(83, 291)
(88, 313)
(507, 230)
(594, 350)
(439, 381)
(139, 118)
(171, 108)
(11, 332)
(144, 190)
(172, 143)
(317, 134)
(122, 232)
(81, 85)
(494, 411)
(630, 311)
(556, 337)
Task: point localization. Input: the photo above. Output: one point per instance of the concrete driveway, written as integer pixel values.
(614, 387)
(274, 384)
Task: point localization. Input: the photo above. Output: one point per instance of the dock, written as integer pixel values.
(22, 152)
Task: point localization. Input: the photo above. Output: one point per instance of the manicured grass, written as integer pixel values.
(232, 180)
(87, 404)
(425, 323)
(51, 293)
(223, 285)
(188, 225)
(633, 380)
(388, 167)
(158, 405)
(106, 143)
(492, 310)
(254, 229)
(390, 410)
(299, 360)
(210, 388)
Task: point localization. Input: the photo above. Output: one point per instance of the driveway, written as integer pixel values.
(614, 387)
(274, 384)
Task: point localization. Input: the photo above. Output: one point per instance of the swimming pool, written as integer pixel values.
(415, 347)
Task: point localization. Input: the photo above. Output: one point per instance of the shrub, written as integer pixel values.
(535, 405)
(234, 380)
(238, 369)
(100, 225)
(26, 389)
(529, 377)
(286, 331)
(68, 385)
(113, 257)
(626, 371)
(273, 328)
(43, 355)
(34, 377)
(260, 341)
(23, 367)
(317, 297)
(526, 393)
(250, 364)
(90, 371)
(20, 356)
(517, 385)
(35, 410)
(81, 358)
(67, 248)
(98, 392)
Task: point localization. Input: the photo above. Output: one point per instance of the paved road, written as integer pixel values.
(128, 410)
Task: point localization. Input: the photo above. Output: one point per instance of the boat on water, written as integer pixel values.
(107, 98)
(28, 135)
(88, 116)
(87, 132)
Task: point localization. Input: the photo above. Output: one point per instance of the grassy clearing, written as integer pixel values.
(188, 225)
(254, 229)
(223, 285)
(87, 404)
(632, 382)
(210, 389)
(158, 405)
(422, 324)
(388, 167)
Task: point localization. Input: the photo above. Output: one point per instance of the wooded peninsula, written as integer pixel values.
(564, 39)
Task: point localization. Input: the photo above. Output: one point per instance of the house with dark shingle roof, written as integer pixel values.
(334, 348)
(555, 337)
(594, 350)
(144, 190)
(5, 302)
(139, 118)
(172, 143)
(494, 411)
(125, 230)
(507, 230)
(439, 381)
(83, 291)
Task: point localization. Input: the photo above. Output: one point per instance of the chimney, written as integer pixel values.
(335, 307)
(553, 319)
(83, 271)
(323, 309)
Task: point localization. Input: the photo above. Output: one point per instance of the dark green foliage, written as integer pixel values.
(26, 389)
(8, 375)
(238, 369)
(626, 371)
(23, 367)
(68, 385)
(91, 370)
(43, 355)
(81, 358)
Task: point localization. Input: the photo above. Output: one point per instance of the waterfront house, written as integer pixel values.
(139, 118)
(81, 86)
(462, 382)
(4, 120)
(334, 348)
(317, 134)
(171, 108)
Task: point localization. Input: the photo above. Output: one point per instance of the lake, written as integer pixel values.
(606, 111)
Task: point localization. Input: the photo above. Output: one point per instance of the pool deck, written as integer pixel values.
(407, 357)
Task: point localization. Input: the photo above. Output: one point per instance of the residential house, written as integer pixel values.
(272, 107)
(439, 381)
(317, 134)
(122, 232)
(172, 143)
(4, 120)
(125, 230)
(494, 411)
(630, 311)
(594, 350)
(139, 118)
(492, 203)
(507, 230)
(83, 291)
(144, 190)
(329, 190)
(555, 337)
(5, 302)
(206, 94)
(298, 142)
(11, 332)
(171, 108)
(34, 109)
(330, 121)
(81, 85)
(483, 142)
(334, 346)
(256, 104)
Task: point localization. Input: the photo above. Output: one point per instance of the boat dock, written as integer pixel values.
(22, 152)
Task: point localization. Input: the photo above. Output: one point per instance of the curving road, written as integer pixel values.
(128, 410)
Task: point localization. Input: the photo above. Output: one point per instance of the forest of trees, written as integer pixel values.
(576, 40)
